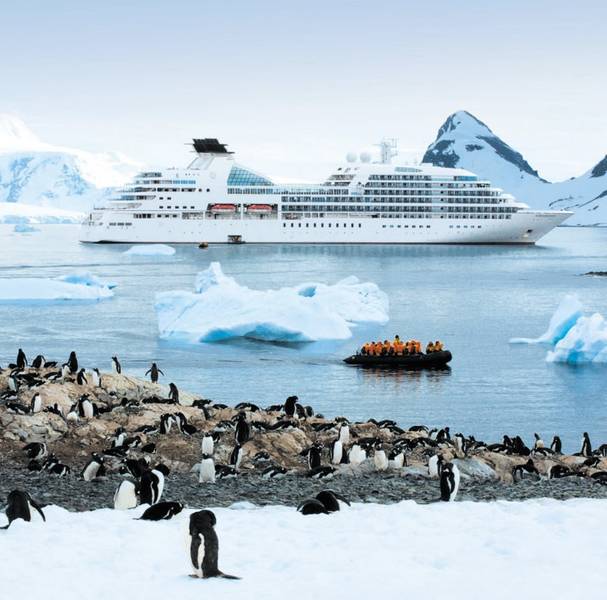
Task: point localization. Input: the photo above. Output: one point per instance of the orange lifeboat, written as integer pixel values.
(259, 208)
(223, 208)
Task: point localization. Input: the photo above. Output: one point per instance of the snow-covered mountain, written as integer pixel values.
(35, 173)
(466, 142)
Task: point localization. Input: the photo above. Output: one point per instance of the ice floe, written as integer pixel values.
(76, 286)
(150, 250)
(25, 228)
(220, 308)
(574, 337)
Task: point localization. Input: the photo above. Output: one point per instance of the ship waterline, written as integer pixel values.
(216, 200)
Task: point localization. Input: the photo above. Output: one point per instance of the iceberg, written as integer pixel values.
(78, 287)
(150, 250)
(221, 309)
(25, 228)
(564, 318)
(574, 337)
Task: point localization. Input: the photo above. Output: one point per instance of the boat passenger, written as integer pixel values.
(438, 346)
(386, 348)
(429, 348)
(398, 347)
(418, 347)
(378, 348)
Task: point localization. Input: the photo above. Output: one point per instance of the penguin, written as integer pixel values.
(134, 467)
(207, 445)
(36, 403)
(151, 484)
(149, 448)
(118, 437)
(96, 377)
(556, 445)
(460, 444)
(379, 458)
(243, 430)
(17, 408)
(161, 511)
(94, 468)
(274, 472)
(21, 360)
(344, 434)
(81, 377)
(325, 502)
(38, 362)
(337, 452)
(65, 371)
(20, 505)
(59, 469)
(183, 425)
(206, 473)
(154, 371)
(435, 465)
(116, 367)
(173, 393)
(325, 472)
(525, 471)
(449, 482)
(314, 455)
(72, 362)
(586, 445)
(55, 409)
(36, 450)
(539, 442)
(225, 472)
(13, 383)
(236, 456)
(443, 436)
(166, 421)
(204, 545)
(289, 406)
(86, 408)
(397, 458)
(357, 455)
(125, 496)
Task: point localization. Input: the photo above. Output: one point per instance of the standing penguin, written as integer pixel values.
(236, 456)
(154, 371)
(166, 422)
(539, 442)
(586, 445)
(289, 406)
(81, 377)
(379, 458)
(173, 393)
(204, 545)
(38, 362)
(314, 454)
(96, 377)
(36, 403)
(125, 496)
(357, 455)
(344, 434)
(206, 473)
(449, 482)
(243, 430)
(556, 445)
(435, 465)
(207, 445)
(94, 468)
(72, 362)
(337, 452)
(19, 505)
(116, 367)
(21, 360)
(86, 408)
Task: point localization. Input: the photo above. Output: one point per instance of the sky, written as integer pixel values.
(293, 86)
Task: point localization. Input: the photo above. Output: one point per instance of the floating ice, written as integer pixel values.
(25, 228)
(220, 309)
(575, 338)
(78, 286)
(150, 250)
(564, 318)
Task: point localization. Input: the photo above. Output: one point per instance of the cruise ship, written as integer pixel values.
(217, 200)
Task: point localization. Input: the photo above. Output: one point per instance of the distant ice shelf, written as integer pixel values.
(14, 213)
(221, 309)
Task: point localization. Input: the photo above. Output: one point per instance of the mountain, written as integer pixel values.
(33, 172)
(466, 142)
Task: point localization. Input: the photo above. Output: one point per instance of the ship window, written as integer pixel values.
(322, 224)
(307, 225)
(162, 207)
(284, 224)
(208, 190)
(292, 225)
(359, 225)
(328, 224)
(314, 225)
(299, 225)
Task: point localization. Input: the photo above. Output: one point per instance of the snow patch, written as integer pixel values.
(220, 308)
(17, 213)
(576, 339)
(150, 250)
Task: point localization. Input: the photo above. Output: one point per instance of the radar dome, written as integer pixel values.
(351, 157)
(365, 157)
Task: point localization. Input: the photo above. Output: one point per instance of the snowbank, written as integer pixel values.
(77, 286)
(459, 550)
(17, 213)
(150, 250)
(220, 308)
(575, 338)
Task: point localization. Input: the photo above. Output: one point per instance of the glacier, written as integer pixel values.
(574, 337)
(25, 228)
(80, 286)
(14, 213)
(221, 309)
(150, 250)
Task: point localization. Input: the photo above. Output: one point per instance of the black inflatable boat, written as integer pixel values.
(434, 360)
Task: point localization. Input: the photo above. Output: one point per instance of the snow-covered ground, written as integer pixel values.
(498, 550)
(13, 212)
(220, 308)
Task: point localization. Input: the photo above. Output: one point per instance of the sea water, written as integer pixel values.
(473, 298)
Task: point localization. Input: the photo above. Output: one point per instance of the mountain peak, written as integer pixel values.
(15, 135)
(463, 122)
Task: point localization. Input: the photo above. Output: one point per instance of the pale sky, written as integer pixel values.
(292, 86)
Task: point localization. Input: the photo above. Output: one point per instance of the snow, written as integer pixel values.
(17, 213)
(576, 339)
(220, 308)
(77, 286)
(150, 250)
(540, 548)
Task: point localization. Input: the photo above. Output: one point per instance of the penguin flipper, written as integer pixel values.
(38, 508)
(194, 547)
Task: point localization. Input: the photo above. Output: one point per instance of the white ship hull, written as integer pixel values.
(524, 227)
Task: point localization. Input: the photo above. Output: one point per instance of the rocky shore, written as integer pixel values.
(276, 440)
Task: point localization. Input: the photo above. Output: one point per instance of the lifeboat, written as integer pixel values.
(223, 208)
(259, 208)
(432, 360)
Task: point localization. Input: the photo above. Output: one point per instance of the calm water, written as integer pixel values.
(473, 298)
